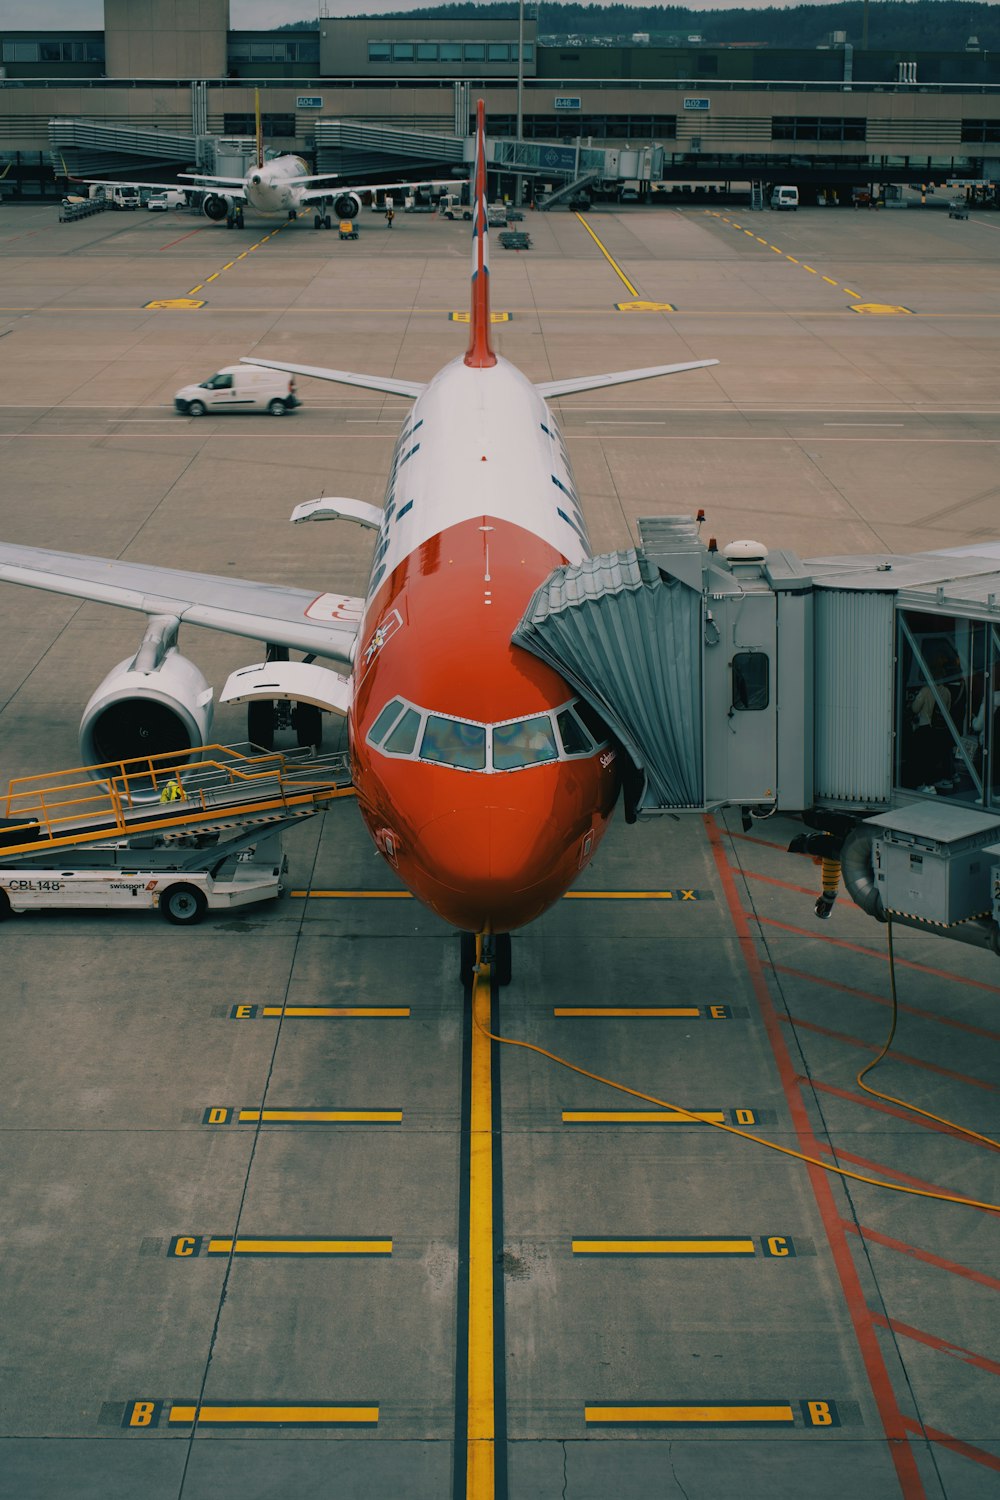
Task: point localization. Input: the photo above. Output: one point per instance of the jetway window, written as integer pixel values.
(948, 707)
(380, 52)
(751, 681)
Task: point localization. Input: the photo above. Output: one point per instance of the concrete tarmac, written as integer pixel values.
(205, 1298)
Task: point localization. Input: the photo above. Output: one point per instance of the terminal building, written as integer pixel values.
(164, 72)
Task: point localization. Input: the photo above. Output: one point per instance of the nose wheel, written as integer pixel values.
(495, 951)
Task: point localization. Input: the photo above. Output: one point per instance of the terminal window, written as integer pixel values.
(53, 51)
(977, 131)
(247, 124)
(817, 128)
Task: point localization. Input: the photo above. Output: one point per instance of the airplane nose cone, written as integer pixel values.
(489, 864)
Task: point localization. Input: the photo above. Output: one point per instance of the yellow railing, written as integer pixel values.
(104, 794)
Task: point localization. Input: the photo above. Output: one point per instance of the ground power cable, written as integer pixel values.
(483, 971)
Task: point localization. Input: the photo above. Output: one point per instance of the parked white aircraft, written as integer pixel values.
(484, 781)
(283, 185)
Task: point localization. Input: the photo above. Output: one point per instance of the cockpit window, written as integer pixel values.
(525, 743)
(406, 730)
(575, 739)
(454, 743)
(593, 722)
(385, 720)
(403, 738)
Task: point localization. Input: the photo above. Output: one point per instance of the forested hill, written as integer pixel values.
(894, 25)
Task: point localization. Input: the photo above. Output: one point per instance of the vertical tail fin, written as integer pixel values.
(260, 129)
(480, 353)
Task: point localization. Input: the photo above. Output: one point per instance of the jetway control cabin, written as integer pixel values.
(849, 690)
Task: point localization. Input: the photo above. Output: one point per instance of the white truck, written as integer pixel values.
(239, 388)
(783, 198)
(111, 877)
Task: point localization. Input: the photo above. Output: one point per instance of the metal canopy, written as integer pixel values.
(629, 642)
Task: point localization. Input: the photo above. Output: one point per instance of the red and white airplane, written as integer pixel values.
(483, 779)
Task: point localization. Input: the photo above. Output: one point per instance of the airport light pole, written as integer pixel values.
(518, 181)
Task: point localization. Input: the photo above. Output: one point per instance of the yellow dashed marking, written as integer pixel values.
(196, 289)
(759, 240)
(242, 255)
(229, 265)
(882, 310)
(749, 232)
(776, 250)
(831, 281)
(850, 293)
(213, 277)
(183, 304)
(793, 260)
(641, 306)
(809, 269)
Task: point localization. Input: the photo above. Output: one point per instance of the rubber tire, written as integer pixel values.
(196, 409)
(326, 222)
(467, 957)
(230, 221)
(467, 217)
(308, 721)
(183, 905)
(502, 957)
(276, 408)
(260, 724)
(5, 911)
(317, 222)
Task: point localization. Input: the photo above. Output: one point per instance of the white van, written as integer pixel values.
(168, 198)
(785, 197)
(239, 388)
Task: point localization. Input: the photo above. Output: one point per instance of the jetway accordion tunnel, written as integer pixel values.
(861, 694)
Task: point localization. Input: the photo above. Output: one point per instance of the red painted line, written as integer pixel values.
(183, 237)
(898, 1114)
(903, 1057)
(785, 885)
(901, 963)
(748, 838)
(978, 1455)
(944, 1346)
(877, 1166)
(910, 1010)
(926, 1257)
(910, 1484)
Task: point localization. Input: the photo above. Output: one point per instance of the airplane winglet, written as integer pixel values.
(480, 355)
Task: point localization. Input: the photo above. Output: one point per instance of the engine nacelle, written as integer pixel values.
(216, 207)
(135, 713)
(347, 205)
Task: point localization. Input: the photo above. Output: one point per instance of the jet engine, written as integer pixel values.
(347, 205)
(216, 207)
(154, 703)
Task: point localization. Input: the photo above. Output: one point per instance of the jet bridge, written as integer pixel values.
(860, 693)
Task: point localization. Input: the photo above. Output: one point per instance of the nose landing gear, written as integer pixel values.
(494, 953)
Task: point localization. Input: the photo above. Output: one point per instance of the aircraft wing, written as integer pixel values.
(374, 187)
(549, 388)
(298, 618)
(234, 186)
(387, 383)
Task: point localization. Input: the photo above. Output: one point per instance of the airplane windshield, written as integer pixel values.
(568, 733)
(454, 742)
(524, 743)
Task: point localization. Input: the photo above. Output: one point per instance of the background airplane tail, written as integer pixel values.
(480, 353)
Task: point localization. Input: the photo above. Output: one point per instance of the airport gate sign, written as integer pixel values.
(566, 101)
(697, 103)
(309, 101)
